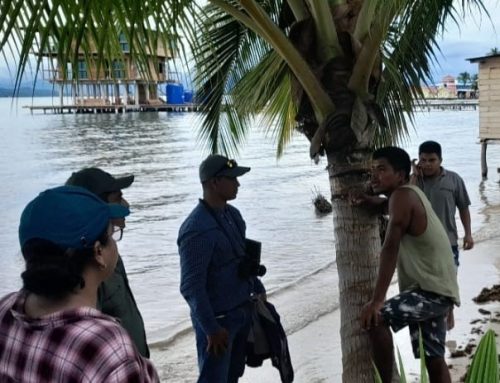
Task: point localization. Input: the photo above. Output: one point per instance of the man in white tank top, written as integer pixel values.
(416, 243)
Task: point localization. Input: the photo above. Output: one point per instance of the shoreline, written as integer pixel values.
(315, 348)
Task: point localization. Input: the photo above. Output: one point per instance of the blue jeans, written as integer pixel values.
(455, 254)
(228, 367)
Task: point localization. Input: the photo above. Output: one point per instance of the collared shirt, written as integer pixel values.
(210, 252)
(77, 345)
(446, 193)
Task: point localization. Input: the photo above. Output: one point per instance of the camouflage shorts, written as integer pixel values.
(416, 308)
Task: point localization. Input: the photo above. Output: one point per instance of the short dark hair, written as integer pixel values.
(53, 271)
(430, 147)
(397, 158)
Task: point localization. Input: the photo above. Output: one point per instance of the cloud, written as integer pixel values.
(473, 36)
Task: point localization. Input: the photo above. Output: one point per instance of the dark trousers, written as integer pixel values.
(229, 367)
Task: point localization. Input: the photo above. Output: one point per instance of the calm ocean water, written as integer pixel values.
(40, 151)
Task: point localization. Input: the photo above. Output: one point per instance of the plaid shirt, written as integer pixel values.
(78, 345)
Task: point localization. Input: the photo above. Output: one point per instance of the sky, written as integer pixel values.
(473, 37)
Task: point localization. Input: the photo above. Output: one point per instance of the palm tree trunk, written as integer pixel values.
(357, 248)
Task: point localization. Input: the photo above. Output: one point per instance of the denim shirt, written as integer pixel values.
(209, 258)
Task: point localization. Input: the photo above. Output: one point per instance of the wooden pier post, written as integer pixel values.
(484, 165)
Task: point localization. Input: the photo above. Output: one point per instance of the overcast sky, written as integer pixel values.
(474, 37)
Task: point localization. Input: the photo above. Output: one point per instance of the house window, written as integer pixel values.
(82, 69)
(118, 69)
(124, 45)
(161, 67)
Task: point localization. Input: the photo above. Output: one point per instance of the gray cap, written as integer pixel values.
(216, 165)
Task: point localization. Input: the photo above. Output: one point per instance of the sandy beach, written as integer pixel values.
(315, 349)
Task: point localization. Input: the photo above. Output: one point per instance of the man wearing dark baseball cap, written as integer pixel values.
(216, 165)
(212, 249)
(115, 297)
(50, 330)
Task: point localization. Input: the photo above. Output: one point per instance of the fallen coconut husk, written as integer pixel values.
(488, 295)
(321, 204)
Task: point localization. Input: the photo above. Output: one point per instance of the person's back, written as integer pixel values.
(75, 345)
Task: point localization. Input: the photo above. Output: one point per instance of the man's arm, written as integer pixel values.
(462, 202)
(400, 212)
(195, 255)
(374, 203)
(465, 218)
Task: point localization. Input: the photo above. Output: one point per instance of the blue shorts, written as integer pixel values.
(419, 308)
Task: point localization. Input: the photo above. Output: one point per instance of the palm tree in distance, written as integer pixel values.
(464, 78)
(493, 51)
(345, 73)
(474, 81)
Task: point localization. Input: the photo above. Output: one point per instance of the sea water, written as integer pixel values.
(162, 150)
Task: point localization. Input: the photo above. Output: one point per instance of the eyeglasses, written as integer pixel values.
(117, 233)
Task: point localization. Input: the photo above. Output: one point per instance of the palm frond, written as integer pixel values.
(266, 88)
(226, 56)
(69, 28)
(409, 53)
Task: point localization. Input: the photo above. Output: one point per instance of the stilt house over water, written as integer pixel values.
(489, 103)
(97, 81)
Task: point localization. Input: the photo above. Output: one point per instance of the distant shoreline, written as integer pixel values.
(25, 93)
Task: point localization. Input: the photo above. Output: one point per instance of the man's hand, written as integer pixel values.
(370, 314)
(415, 168)
(373, 202)
(217, 343)
(358, 198)
(468, 242)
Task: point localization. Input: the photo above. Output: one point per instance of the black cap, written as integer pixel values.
(98, 181)
(216, 165)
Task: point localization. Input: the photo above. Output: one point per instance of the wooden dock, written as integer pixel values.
(58, 109)
(449, 104)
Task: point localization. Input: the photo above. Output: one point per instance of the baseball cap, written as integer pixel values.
(69, 216)
(98, 181)
(216, 165)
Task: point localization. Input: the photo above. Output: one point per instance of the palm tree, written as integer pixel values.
(474, 81)
(345, 73)
(493, 51)
(464, 78)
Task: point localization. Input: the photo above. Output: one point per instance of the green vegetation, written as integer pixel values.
(484, 367)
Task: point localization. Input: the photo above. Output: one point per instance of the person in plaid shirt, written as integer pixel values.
(50, 330)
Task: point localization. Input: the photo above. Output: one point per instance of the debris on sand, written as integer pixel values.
(488, 295)
(321, 204)
(484, 312)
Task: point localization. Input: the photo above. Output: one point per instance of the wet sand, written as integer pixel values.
(315, 349)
